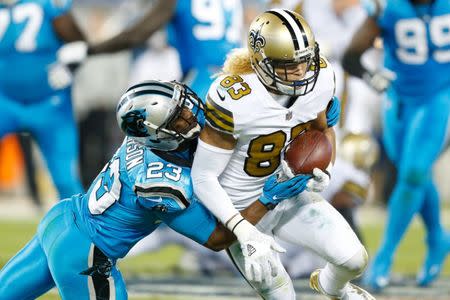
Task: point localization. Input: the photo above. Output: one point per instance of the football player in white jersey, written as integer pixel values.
(333, 23)
(269, 93)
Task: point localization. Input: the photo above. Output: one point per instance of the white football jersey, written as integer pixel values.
(242, 106)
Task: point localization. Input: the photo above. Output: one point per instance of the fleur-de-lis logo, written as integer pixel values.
(256, 40)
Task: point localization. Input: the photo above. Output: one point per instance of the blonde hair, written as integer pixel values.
(237, 62)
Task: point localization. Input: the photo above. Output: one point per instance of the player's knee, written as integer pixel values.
(357, 263)
(415, 176)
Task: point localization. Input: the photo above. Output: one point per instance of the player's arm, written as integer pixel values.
(67, 28)
(139, 32)
(362, 40)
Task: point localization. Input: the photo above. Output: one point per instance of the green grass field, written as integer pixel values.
(15, 234)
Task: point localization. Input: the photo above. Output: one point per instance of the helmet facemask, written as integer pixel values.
(276, 74)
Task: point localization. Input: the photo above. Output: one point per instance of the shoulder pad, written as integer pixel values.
(218, 115)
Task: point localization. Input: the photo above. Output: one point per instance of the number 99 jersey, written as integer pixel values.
(28, 45)
(135, 192)
(241, 106)
(199, 26)
(416, 40)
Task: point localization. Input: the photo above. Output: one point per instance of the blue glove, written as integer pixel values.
(275, 191)
(333, 111)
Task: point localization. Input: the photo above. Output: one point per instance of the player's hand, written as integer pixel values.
(319, 181)
(72, 54)
(59, 76)
(333, 111)
(260, 252)
(275, 190)
(379, 80)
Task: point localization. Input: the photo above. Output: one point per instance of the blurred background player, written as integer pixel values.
(333, 23)
(146, 182)
(35, 88)
(202, 32)
(416, 40)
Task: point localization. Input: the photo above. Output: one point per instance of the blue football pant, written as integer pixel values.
(56, 256)
(52, 125)
(414, 135)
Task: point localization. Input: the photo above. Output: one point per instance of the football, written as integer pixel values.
(310, 149)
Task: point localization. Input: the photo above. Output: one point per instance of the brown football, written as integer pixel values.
(311, 149)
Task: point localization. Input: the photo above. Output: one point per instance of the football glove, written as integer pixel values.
(333, 111)
(379, 80)
(276, 189)
(72, 54)
(319, 181)
(68, 58)
(260, 250)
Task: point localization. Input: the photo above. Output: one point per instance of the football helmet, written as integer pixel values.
(148, 111)
(280, 39)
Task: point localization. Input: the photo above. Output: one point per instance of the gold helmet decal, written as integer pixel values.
(280, 40)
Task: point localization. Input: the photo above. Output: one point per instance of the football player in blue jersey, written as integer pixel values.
(203, 32)
(147, 182)
(35, 93)
(416, 41)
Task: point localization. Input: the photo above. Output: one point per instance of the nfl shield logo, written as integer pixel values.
(289, 116)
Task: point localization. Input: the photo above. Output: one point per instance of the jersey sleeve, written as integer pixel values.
(56, 8)
(163, 186)
(218, 115)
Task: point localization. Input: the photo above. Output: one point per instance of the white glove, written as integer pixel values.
(72, 54)
(319, 181)
(59, 76)
(260, 250)
(379, 80)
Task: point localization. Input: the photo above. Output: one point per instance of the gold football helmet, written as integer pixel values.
(280, 40)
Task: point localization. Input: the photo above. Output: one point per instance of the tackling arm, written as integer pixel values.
(67, 28)
(138, 33)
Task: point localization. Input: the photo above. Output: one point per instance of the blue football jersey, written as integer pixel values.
(416, 42)
(28, 46)
(135, 192)
(199, 26)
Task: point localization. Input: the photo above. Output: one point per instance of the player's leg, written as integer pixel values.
(437, 239)
(26, 275)
(414, 164)
(325, 232)
(57, 136)
(281, 287)
(80, 270)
